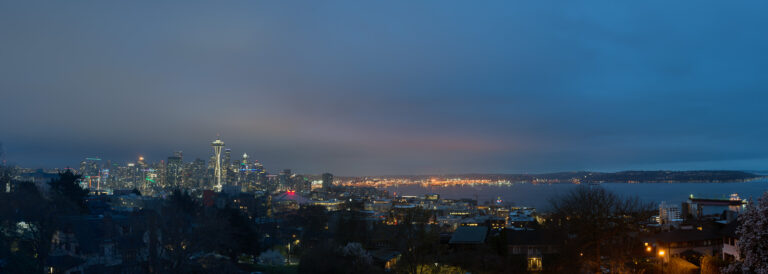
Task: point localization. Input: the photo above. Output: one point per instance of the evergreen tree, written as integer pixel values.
(66, 191)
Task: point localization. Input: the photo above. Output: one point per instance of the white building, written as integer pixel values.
(669, 214)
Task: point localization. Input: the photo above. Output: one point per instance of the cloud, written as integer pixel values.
(396, 87)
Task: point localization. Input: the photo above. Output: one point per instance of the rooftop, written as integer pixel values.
(469, 235)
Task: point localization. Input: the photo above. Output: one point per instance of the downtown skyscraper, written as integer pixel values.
(173, 170)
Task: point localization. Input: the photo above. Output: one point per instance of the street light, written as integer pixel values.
(661, 255)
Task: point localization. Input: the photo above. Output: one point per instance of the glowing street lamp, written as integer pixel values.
(661, 253)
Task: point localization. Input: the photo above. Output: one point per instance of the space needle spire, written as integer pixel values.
(217, 145)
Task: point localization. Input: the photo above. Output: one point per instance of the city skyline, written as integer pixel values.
(410, 88)
(337, 136)
(216, 161)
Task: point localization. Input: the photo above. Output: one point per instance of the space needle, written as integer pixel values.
(217, 145)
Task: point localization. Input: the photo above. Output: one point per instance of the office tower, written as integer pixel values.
(260, 176)
(91, 172)
(109, 175)
(227, 157)
(283, 179)
(258, 168)
(217, 145)
(197, 175)
(90, 167)
(226, 167)
(327, 181)
(243, 171)
(173, 171)
(134, 174)
(159, 171)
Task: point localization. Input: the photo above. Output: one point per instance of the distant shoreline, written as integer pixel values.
(586, 177)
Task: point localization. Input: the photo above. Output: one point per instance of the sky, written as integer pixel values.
(389, 87)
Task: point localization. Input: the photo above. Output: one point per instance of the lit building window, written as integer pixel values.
(534, 264)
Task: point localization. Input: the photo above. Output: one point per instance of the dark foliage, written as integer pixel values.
(66, 192)
(26, 248)
(601, 226)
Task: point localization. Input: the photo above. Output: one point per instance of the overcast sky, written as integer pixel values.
(389, 87)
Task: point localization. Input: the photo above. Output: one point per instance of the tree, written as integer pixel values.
(177, 217)
(600, 224)
(322, 258)
(225, 231)
(711, 264)
(351, 226)
(753, 238)
(359, 257)
(313, 219)
(327, 257)
(26, 225)
(271, 257)
(419, 245)
(5, 178)
(67, 193)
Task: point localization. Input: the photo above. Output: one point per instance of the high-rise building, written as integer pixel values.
(217, 146)
(669, 214)
(243, 171)
(227, 157)
(91, 172)
(173, 171)
(226, 167)
(327, 181)
(283, 179)
(260, 175)
(196, 175)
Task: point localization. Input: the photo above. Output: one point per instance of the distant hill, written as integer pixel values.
(670, 176)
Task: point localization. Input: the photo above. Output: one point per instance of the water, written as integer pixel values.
(539, 195)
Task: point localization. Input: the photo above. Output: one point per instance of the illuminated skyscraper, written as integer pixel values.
(227, 157)
(327, 181)
(91, 172)
(283, 179)
(226, 167)
(173, 171)
(217, 146)
(243, 171)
